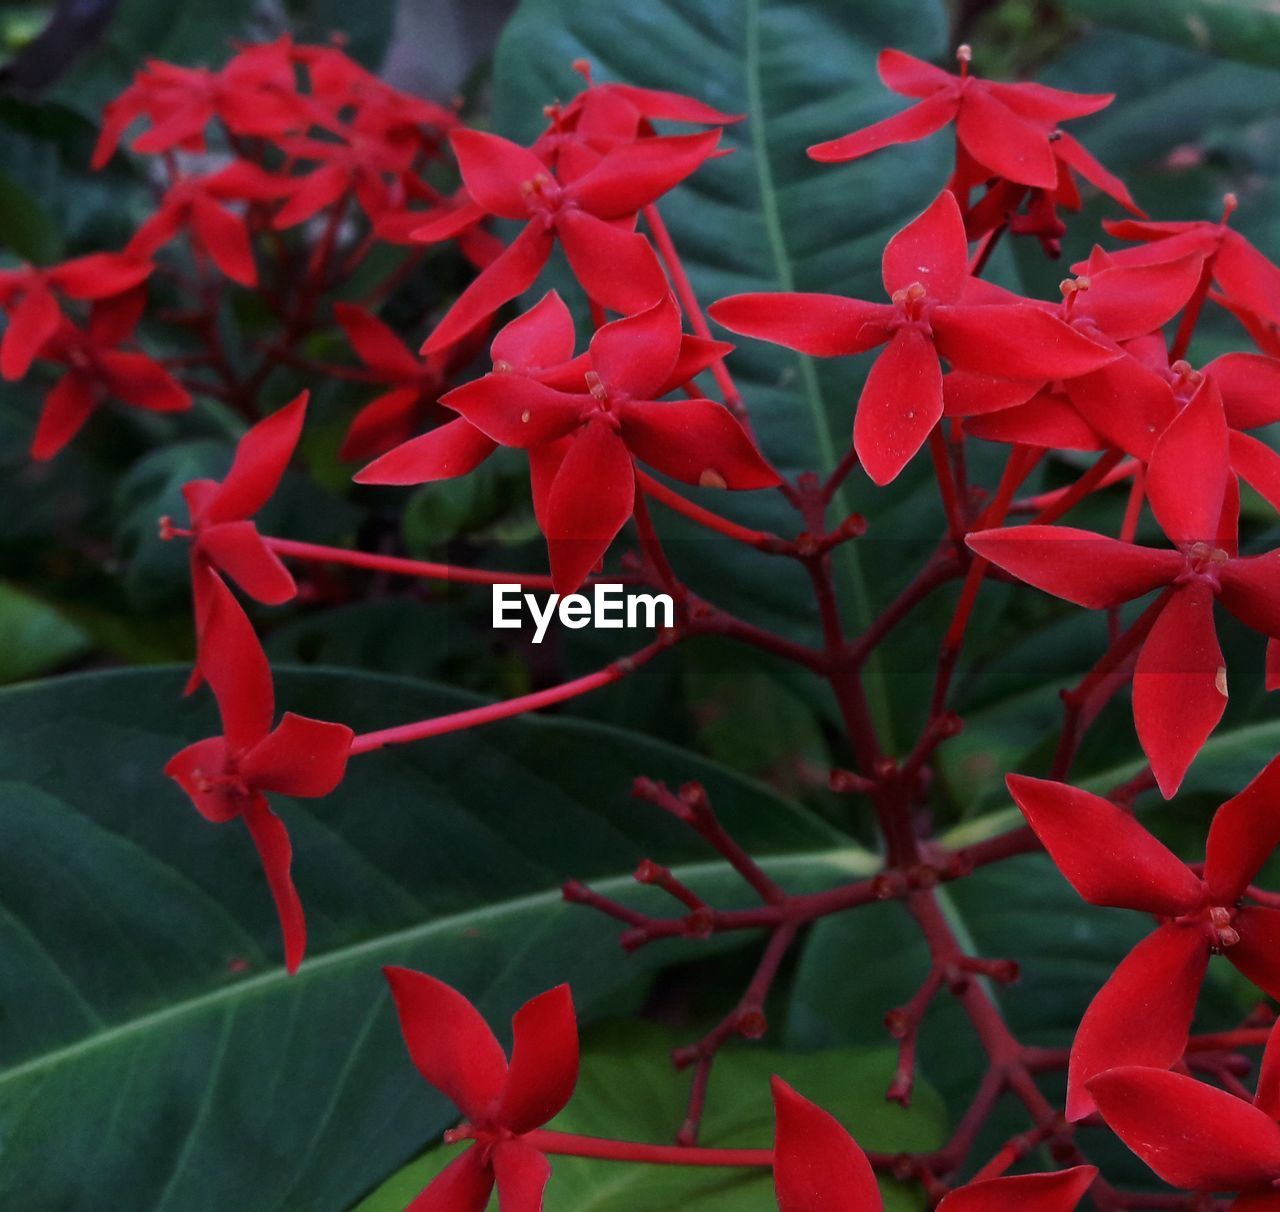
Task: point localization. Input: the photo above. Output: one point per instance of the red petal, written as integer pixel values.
(635, 356)
(496, 171)
(238, 550)
(510, 274)
(451, 450)
(377, 345)
(1267, 1096)
(1251, 591)
(1142, 1014)
(192, 767)
(139, 380)
(900, 404)
(1058, 1192)
(1049, 420)
(696, 441)
(590, 501)
(1125, 402)
(675, 107)
(618, 269)
(517, 411)
(544, 1061)
(1179, 685)
(817, 1165)
(100, 275)
(384, 423)
(236, 668)
(1040, 103)
(464, 1185)
(910, 76)
(1187, 477)
(1250, 386)
(226, 239)
(917, 122)
(66, 408)
(1192, 1135)
(301, 757)
(261, 458)
(1072, 153)
(31, 323)
(824, 325)
(931, 250)
(696, 355)
(1244, 832)
(1008, 145)
(540, 338)
(968, 395)
(1127, 302)
(1257, 954)
(1102, 850)
(1082, 567)
(449, 1041)
(1015, 341)
(311, 194)
(272, 840)
(522, 1174)
(639, 173)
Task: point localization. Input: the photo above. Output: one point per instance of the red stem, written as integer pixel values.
(566, 1144)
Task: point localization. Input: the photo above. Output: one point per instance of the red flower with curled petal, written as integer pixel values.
(818, 1167)
(503, 1101)
(1142, 1015)
(592, 216)
(1004, 127)
(29, 297)
(223, 536)
(1180, 682)
(98, 370)
(1195, 1136)
(583, 444)
(196, 205)
(925, 273)
(227, 776)
(255, 94)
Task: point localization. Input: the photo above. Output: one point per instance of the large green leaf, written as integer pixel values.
(34, 636)
(767, 218)
(155, 1055)
(626, 1092)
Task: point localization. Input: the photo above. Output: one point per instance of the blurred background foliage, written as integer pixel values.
(86, 587)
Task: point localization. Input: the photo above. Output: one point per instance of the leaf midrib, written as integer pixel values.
(850, 859)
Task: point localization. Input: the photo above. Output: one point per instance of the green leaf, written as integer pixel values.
(34, 636)
(626, 1092)
(767, 218)
(1234, 29)
(151, 1043)
(25, 225)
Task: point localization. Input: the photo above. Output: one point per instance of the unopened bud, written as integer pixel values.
(897, 1023)
(752, 1024)
(700, 924)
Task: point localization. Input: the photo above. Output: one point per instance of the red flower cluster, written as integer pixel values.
(315, 162)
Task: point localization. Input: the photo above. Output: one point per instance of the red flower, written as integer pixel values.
(537, 345)
(1180, 683)
(1004, 127)
(1195, 1136)
(1143, 1013)
(97, 370)
(455, 1051)
(29, 299)
(254, 94)
(196, 204)
(591, 216)
(223, 537)
(925, 273)
(227, 776)
(818, 1167)
(582, 443)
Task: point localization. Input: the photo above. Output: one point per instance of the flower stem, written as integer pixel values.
(567, 1144)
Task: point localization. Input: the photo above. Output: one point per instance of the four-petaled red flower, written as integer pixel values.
(1180, 683)
(503, 1102)
(925, 273)
(223, 536)
(227, 776)
(583, 444)
(819, 1167)
(1004, 127)
(1142, 1015)
(592, 216)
